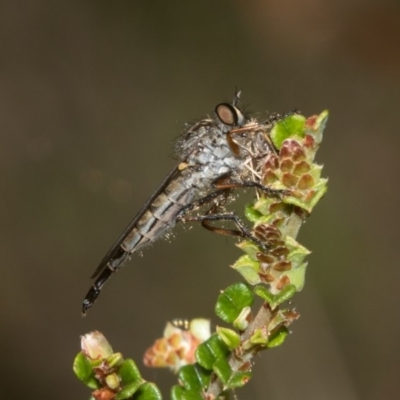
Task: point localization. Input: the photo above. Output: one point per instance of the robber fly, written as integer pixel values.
(216, 155)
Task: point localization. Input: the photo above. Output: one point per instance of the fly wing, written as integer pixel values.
(116, 246)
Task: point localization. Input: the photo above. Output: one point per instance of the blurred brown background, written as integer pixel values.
(92, 95)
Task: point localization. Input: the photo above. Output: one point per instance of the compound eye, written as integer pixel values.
(229, 115)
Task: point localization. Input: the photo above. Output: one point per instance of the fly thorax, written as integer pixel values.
(212, 157)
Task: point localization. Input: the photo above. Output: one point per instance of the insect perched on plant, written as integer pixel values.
(217, 155)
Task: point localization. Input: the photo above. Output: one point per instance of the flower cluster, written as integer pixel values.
(177, 346)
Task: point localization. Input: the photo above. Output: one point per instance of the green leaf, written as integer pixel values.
(223, 370)
(194, 377)
(229, 336)
(264, 293)
(317, 128)
(285, 294)
(278, 337)
(82, 367)
(319, 190)
(259, 337)
(232, 300)
(180, 393)
(263, 205)
(115, 359)
(129, 372)
(177, 392)
(247, 267)
(251, 249)
(84, 372)
(128, 391)
(238, 379)
(293, 125)
(297, 276)
(251, 213)
(242, 321)
(297, 252)
(211, 350)
(148, 391)
(274, 300)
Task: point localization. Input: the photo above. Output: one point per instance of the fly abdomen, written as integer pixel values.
(152, 222)
(112, 266)
(159, 217)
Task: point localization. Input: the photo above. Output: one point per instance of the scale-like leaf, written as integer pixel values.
(84, 371)
(232, 300)
(210, 351)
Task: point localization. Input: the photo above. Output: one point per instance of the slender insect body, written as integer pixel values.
(229, 149)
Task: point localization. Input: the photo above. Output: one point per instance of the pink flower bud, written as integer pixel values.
(95, 346)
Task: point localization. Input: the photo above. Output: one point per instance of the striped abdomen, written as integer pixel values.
(156, 217)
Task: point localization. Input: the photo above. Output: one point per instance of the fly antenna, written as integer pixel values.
(236, 99)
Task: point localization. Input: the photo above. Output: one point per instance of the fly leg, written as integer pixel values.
(213, 215)
(224, 186)
(225, 182)
(220, 196)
